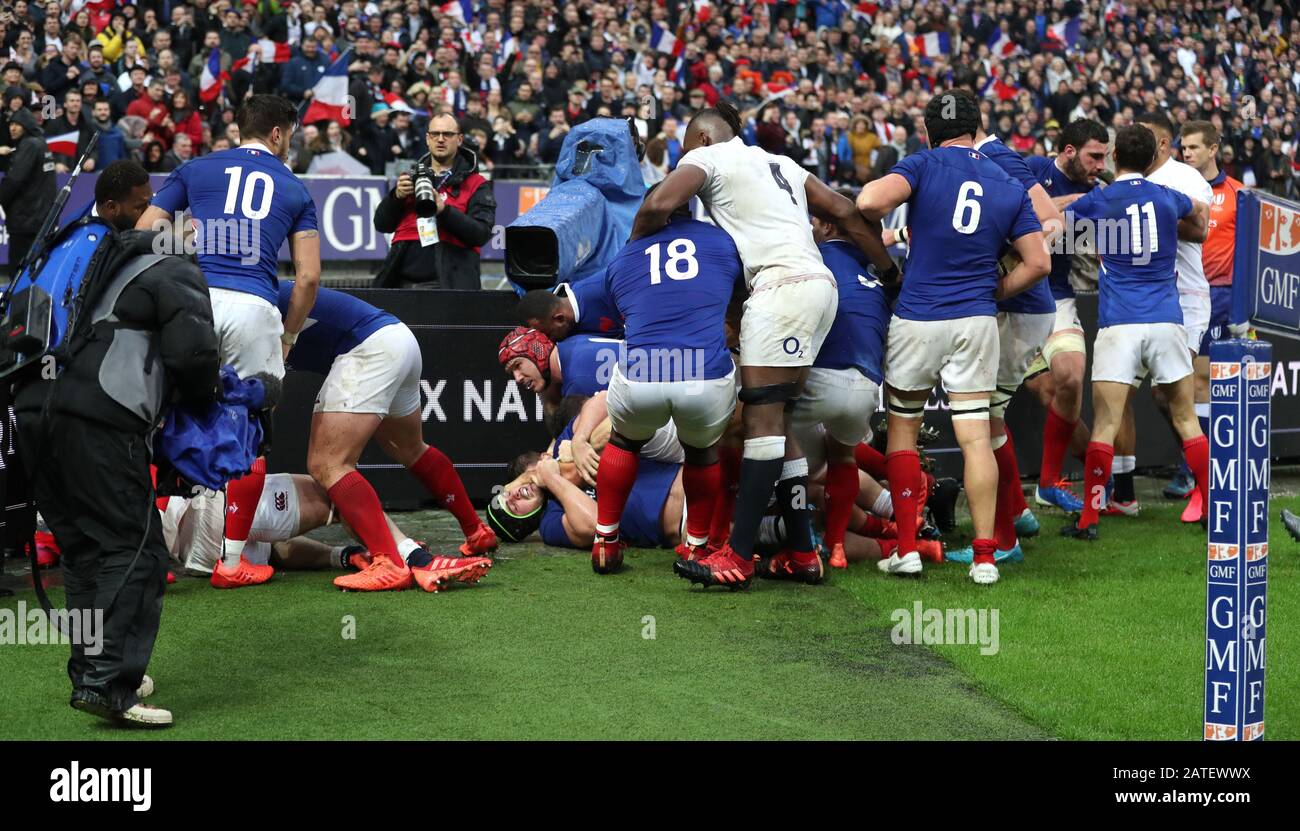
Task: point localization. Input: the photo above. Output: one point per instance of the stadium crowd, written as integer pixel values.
(838, 86)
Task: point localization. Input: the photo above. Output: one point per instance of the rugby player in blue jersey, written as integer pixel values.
(671, 288)
(583, 308)
(1140, 317)
(963, 211)
(371, 363)
(245, 203)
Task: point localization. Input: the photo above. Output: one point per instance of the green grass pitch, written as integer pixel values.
(1100, 641)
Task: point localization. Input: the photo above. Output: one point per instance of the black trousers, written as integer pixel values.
(19, 245)
(92, 486)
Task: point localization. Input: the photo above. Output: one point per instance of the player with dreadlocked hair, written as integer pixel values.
(763, 202)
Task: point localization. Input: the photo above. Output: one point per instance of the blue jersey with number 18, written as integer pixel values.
(963, 211)
(672, 289)
(247, 202)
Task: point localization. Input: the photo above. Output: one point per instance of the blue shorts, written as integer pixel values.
(1220, 311)
(641, 525)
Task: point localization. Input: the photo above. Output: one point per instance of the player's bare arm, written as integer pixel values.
(1049, 215)
(1035, 263)
(1195, 227)
(1063, 202)
(585, 456)
(673, 192)
(829, 206)
(579, 509)
(880, 197)
(150, 218)
(304, 246)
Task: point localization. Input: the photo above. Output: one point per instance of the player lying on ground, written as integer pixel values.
(1139, 313)
(763, 202)
(671, 289)
(236, 197)
(293, 505)
(963, 210)
(372, 364)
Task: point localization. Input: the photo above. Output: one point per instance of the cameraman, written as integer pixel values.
(85, 439)
(440, 251)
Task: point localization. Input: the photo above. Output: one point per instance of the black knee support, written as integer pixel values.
(786, 393)
(624, 443)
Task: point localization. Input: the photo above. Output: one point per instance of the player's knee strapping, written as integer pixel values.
(1063, 342)
(906, 408)
(975, 409)
(785, 393)
(999, 400)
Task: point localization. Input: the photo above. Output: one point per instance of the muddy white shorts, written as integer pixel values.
(835, 402)
(380, 376)
(963, 353)
(248, 333)
(785, 324)
(1125, 353)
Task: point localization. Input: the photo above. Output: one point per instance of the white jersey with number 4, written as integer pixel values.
(1185, 179)
(759, 199)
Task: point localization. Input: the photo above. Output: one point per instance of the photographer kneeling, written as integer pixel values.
(439, 215)
(142, 344)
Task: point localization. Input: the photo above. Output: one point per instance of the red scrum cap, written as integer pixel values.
(522, 342)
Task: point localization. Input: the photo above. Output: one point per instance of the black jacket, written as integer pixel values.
(28, 188)
(171, 299)
(451, 266)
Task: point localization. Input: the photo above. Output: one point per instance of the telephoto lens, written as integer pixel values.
(426, 200)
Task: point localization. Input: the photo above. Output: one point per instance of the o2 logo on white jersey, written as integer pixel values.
(791, 346)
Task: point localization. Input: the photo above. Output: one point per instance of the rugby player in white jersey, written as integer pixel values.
(763, 202)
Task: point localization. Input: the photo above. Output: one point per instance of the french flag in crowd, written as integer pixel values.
(63, 145)
(861, 11)
(1002, 46)
(1065, 33)
(662, 40)
(329, 98)
(396, 102)
(211, 80)
(1114, 10)
(931, 44)
(462, 10)
(264, 51)
(996, 86)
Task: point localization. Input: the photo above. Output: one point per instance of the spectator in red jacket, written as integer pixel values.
(186, 118)
(153, 109)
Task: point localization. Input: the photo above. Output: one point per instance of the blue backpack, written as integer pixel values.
(44, 301)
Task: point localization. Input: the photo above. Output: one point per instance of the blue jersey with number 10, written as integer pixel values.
(672, 289)
(963, 211)
(247, 202)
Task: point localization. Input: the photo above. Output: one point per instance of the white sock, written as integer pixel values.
(770, 531)
(1203, 409)
(406, 546)
(231, 551)
(883, 507)
(607, 530)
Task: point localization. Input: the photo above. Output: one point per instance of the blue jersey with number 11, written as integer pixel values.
(672, 289)
(247, 202)
(963, 211)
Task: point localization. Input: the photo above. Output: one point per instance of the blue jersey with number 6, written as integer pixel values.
(1136, 232)
(963, 211)
(247, 202)
(672, 289)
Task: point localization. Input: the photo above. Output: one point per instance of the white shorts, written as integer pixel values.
(699, 409)
(786, 324)
(380, 376)
(963, 353)
(1196, 319)
(835, 402)
(194, 528)
(248, 333)
(1067, 316)
(664, 446)
(1127, 351)
(1020, 337)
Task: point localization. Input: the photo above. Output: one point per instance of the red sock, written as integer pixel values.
(1004, 520)
(841, 493)
(242, 496)
(1096, 470)
(887, 547)
(613, 485)
(438, 475)
(877, 528)
(1056, 440)
(1018, 504)
(870, 460)
(1197, 453)
(701, 483)
(161, 501)
(985, 551)
(904, 471)
(359, 506)
(720, 528)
